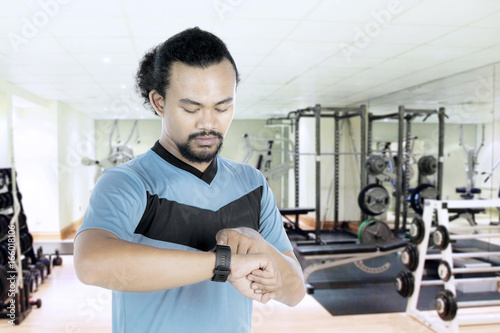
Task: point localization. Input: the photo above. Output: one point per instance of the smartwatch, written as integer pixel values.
(222, 263)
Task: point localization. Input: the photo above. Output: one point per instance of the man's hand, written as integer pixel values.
(242, 240)
(246, 270)
(248, 241)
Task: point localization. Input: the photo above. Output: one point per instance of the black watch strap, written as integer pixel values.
(222, 263)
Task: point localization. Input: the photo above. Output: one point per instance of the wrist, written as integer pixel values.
(222, 263)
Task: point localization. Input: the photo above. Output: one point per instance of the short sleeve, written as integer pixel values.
(271, 223)
(116, 204)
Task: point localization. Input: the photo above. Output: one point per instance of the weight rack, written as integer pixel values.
(29, 269)
(448, 317)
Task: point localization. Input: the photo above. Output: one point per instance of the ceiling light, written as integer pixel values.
(106, 60)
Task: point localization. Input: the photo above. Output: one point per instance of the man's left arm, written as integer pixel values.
(286, 284)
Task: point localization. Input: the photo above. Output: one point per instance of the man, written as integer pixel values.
(153, 223)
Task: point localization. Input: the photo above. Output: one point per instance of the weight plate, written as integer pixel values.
(446, 305)
(409, 257)
(444, 271)
(405, 284)
(427, 165)
(374, 232)
(376, 164)
(418, 195)
(4, 284)
(441, 237)
(417, 230)
(374, 199)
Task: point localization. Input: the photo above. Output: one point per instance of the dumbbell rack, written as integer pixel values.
(448, 317)
(28, 270)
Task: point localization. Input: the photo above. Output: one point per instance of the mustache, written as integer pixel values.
(205, 133)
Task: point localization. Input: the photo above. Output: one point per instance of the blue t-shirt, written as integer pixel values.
(160, 201)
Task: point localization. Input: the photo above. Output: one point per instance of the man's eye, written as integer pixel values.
(222, 110)
(189, 111)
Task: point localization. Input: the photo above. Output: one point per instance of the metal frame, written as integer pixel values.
(428, 318)
(338, 113)
(405, 117)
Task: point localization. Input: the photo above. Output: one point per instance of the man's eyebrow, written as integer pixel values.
(191, 102)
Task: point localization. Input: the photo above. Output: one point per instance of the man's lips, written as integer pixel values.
(205, 140)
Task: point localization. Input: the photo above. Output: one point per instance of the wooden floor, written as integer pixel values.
(71, 307)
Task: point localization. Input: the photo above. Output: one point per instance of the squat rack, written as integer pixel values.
(405, 117)
(317, 112)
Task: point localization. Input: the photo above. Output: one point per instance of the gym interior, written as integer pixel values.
(375, 123)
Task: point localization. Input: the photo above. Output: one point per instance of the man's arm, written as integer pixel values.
(102, 259)
(288, 282)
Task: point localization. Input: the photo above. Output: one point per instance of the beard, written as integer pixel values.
(202, 154)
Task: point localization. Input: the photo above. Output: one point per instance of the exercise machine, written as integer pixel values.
(118, 152)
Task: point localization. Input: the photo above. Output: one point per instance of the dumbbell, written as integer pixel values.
(57, 261)
(417, 230)
(446, 305)
(6, 200)
(441, 237)
(405, 284)
(4, 253)
(370, 231)
(4, 283)
(409, 257)
(4, 226)
(26, 241)
(37, 275)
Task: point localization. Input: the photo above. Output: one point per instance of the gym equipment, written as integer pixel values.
(421, 193)
(4, 285)
(376, 164)
(417, 230)
(446, 305)
(405, 284)
(399, 166)
(444, 239)
(5, 200)
(57, 261)
(427, 165)
(374, 199)
(30, 271)
(118, 153)
(266, 155)
(294, 225)
(339, 114)
(370, 231)
(409, 257)
(471, 170)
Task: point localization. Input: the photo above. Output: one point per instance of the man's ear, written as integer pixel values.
(157, 101)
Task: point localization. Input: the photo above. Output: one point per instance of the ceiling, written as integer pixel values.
(291, 53)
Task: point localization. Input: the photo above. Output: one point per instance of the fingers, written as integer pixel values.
(264, 282)
(221, 237)
(239, 242)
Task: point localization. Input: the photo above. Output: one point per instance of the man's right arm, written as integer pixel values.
(102, 259)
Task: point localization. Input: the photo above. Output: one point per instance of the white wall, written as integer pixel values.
(48, 142)
(5, 108)
(75, 138)
(35, 153)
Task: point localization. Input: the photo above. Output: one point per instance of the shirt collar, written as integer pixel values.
(206, 176)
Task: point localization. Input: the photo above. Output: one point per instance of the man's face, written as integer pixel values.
(199, 107)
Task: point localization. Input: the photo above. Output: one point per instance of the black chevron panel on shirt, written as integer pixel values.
(170, 221)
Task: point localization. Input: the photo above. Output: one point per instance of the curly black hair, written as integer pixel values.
(193, 47)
